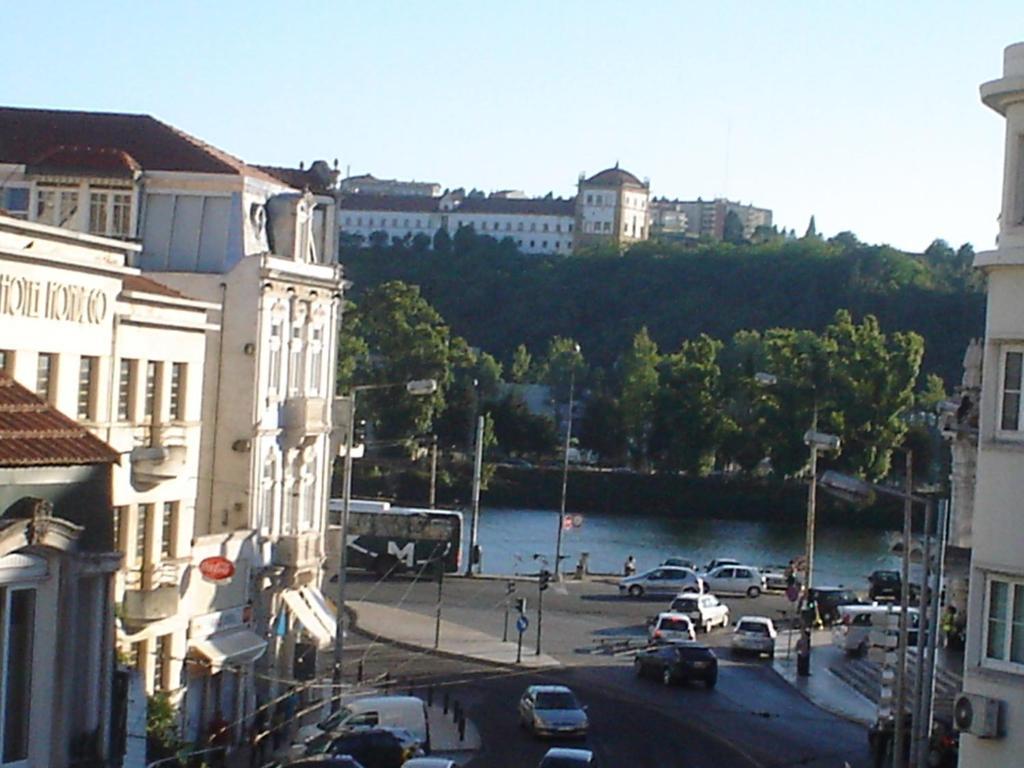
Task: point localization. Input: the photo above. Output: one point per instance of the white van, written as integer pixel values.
(406, 712)
(852, 630)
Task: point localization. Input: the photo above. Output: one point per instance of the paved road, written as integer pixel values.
(752, 718)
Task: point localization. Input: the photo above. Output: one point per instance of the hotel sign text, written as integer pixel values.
(22, 297)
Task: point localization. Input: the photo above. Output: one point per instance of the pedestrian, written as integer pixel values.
(630, 567)
(949, 628)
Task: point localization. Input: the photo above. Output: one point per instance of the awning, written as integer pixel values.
(235, 646)
(311, 610)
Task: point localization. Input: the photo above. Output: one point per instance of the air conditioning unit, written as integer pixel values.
(977, 715)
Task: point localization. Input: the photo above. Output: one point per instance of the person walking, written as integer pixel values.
(949, 628)
(630, 567)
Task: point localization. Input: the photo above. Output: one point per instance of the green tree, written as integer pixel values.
(689, 421)
(602, 429)
(562, 363)
(442, 242)
(732, 229)
(518, 431)
(352, 349)
(638, 369)
(522, 365)
(812, 228)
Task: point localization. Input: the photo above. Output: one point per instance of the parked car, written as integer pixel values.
(827, 600)
(679, 562)
(408, 712)
(776, 577)
(675, 662)
(883, 585)
(429, 762)
(735, 580)
(552, 710)
(560, 757)
(664, 579)
(754, 634)
(852, 631)
(324, 761)
(716, 562)
(705, 611)
(669, 626)
(375, 747)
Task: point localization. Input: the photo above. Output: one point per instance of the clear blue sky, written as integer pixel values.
(865, 114)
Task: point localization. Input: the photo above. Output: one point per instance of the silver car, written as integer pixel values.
(552, 710)
(663, 580)
(735, 580)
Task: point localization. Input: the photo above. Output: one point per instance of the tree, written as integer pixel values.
(519, 431)
(563, 361)
(732, 229)
(689, 420)
(352, 349)
(522, 365)
(442, 242)
(378, 240)
(812, 229)
(420, 243)
(602, 430)
(639, 371)
(465, 240)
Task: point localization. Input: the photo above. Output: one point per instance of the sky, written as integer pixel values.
(864, 114)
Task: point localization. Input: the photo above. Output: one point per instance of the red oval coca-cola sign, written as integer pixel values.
(217, 568)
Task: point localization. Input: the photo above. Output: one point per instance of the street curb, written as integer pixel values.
(834, 712)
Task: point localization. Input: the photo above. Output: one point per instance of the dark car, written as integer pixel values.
(676, 662)
(374, 748)
(889, 584)
(324, 761)
(826, 600)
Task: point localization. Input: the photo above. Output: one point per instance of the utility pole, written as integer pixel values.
(346, 500)
(478, 462)
(920, 728)
(439, 559)
(542, 584)
(565, 478)
(433, 471)
(928, 708)
(899, 722)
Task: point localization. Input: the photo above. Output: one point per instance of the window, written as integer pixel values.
(161, 657)
(86, 387)
(508, 226)
(348, 221)
(14, 201)
(520, 227)
(168, 529)
(558, 227)
(569, 227)
(274, 361)
(369, 222)
(544, 244)
(483, 226)
(533, 226)
(176, 397)
(116, 520)
(17, 640)
(98, 213)
(126, 390)
(532, 243)
(1010, 398)
(6, 358)
(590, 199)
(266, 511)
(359, 221)
(309, 496)
(607, 226)
(316, 358)
(149, 406)
(1004, 624)
(295, 360)
(545, 227)
(394, 222)
(141, 534)
(45, 375)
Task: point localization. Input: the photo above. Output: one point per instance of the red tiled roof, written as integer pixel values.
(35, 434)
(400, 203)
(145, 285)
(615, 177)
(546, 206)
(30, 135)
(84, 160)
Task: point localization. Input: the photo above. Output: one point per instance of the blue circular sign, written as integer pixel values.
(522, 623)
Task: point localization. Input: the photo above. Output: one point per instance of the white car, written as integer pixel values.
(720, 561)
(754, 634)
(852, 632)
(669, 626)
(735, 580)
(665, 579)
(705, 611)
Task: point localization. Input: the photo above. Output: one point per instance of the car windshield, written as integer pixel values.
(335, 719)
(680, 624)
(887, 576)
(684, 604)
(753, 627)
(556, 700)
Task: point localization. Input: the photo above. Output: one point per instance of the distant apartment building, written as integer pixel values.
(612, 208)
(257, 254)
(704, 218)
(367, 184)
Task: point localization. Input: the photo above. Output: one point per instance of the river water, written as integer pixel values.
(511, 537)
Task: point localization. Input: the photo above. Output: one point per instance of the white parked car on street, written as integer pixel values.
(665, 579)
(754, 634)
(669, 626)
(852, 631)
(735, 580)
(705, 611)
(719, 561)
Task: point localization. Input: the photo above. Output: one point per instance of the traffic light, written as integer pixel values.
(359, 432)
(521, 604)
(545, 577)
(510, 587)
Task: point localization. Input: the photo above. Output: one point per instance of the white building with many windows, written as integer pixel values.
(235, 237)
(994, 660)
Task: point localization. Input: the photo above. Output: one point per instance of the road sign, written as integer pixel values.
(521, 624)
(567, 523)
(577, 521)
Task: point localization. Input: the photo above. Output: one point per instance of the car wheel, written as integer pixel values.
(707, 627)
(709, 683)
(635, 590)
(666, 676)
(754, 592)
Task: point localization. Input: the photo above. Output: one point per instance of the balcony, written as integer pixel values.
(299, 550)
(154, 464)
(144, 605)
(302, 418)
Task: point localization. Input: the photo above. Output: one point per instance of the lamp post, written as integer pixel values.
(417, 388)
(815, 441)
(565, 471)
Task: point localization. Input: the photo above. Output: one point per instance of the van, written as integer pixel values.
(407, 712)
(852, 630)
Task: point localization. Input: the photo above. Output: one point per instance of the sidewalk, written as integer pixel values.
(417, 630)
(823, 688)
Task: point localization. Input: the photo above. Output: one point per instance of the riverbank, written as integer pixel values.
(622, 494)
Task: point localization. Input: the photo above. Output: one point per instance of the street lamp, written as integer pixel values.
(816, 441)
(565, 470)
(417, 388)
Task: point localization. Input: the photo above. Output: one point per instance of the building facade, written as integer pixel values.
(612, 208)
(368, 184)
(704, 218)
(994, 659)
(57, 568)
